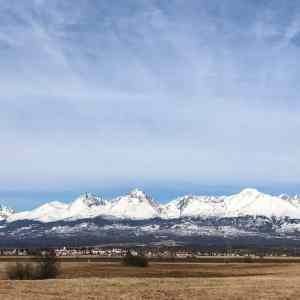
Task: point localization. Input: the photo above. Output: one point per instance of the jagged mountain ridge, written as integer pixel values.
(249, 218)
(138, 206)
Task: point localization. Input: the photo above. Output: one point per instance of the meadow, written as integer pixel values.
(111, 280)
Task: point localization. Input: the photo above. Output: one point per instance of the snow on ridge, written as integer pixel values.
(137, 205)
(205, 206)
(5, 212)
(254, 203)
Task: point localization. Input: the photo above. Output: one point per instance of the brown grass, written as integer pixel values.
(162, 281)
(169, 270)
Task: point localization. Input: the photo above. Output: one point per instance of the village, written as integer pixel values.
(150, 252)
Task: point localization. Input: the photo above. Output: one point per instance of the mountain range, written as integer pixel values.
(139, 206)
(136, 218)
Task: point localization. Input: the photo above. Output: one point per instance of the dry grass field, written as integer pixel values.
(161, 281)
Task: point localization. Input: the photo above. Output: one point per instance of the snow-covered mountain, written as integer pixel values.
(85, 206)
(295, 200)
(248, 202)
(5, 212)
(48, 212)
(250, 216)
(188, 206)
(136, 205)
(253, 203)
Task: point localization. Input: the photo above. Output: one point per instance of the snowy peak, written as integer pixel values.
(48, 212)
(138, 197)
(85, 206)
(294, 200)
(189, 206)
(135, 205)
(5, 212)
(284, 196)
(136, 193)
(253, 203)
(250, 192)
(87, 200)
(142, 197)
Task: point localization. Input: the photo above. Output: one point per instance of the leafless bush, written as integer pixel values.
(21, 271)
(135, 260)
(46, 267)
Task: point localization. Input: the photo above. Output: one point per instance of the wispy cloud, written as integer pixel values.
(143, 90)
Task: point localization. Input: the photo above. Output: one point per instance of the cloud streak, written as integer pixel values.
(148, 90)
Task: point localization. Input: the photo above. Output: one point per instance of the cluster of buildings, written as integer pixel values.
(14, 252)
(102, 252)
(111, 252)
(150, 252)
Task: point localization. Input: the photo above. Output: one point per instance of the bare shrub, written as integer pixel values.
(21, 271)
(135, 260)
(47, 267)
(248, 259)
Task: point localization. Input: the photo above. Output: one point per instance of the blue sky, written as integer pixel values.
(166, 95)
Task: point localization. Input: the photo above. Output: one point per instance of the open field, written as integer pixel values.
(73, 270)
(198, 259)
(110, 280)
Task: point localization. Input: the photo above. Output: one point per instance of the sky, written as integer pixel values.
(173, 96)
